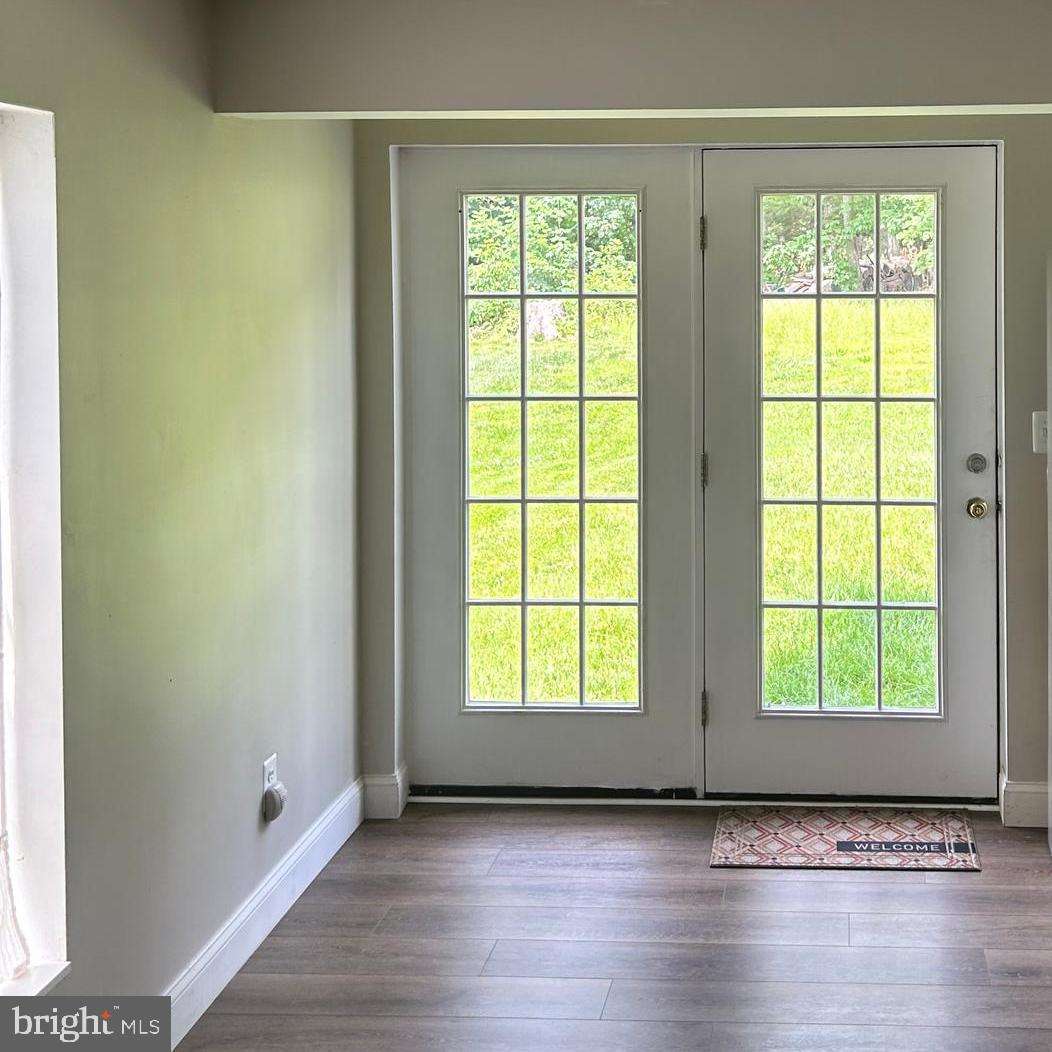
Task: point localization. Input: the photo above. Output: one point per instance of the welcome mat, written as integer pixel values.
(844, 838)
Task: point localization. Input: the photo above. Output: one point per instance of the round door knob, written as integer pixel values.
(977, 508)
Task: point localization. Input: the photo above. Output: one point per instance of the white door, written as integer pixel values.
(850, 536)
(548, 341)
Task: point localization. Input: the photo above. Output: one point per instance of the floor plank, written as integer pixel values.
(763, 1037)
(1001, 840)
(316, 920)
(1027, 931)
(422, 889)
(1032, 870)
(830, 1003)
(412, 859)
(414, 996)
(716, 926)
(1019, 967)
(369, 1034)
(682, 961)
(351, 920)
(467, 814)
(580, 838)
(564, 815)
(880, 898)
(238, 1033)
(610, 863)
(321, 954)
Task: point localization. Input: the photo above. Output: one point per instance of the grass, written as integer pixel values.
(553, 573)
(908, 534)
(553, 531)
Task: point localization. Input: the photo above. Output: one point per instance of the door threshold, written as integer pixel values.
(972, 803)
(534, 793)
(682, 797)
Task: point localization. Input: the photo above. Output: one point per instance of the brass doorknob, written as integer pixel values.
(977, 508)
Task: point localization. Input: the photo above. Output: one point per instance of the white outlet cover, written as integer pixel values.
(1039, 428)
(270, 771)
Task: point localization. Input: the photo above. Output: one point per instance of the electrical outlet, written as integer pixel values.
(1039, 428)
(270, 771)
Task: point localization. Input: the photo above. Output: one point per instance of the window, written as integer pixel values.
(849, 378)
(32, 837)
(552, 415)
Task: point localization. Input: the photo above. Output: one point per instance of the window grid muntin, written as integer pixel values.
(877, 295)
(582, 500)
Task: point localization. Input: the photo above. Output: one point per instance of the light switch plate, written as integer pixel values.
(1039, 426)
(270, 771)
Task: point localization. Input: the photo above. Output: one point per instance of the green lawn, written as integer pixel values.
(908, 534)
(553, 530)
(790, 532)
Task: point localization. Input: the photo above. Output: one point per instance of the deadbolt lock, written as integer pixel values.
(977, 508)
(976, 463)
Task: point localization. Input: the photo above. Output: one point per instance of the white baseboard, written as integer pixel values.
(386, 794)
(1024, 803)
(221, 958)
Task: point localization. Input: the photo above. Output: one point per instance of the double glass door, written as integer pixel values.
(583, 609)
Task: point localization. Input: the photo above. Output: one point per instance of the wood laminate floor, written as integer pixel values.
(464, 928)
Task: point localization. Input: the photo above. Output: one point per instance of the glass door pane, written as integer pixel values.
(552, 362)
(849, 467)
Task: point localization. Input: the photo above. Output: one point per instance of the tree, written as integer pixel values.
(849, 255)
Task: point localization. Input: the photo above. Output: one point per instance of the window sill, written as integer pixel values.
(36, 981)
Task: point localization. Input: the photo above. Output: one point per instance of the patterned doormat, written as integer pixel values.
(844, 838)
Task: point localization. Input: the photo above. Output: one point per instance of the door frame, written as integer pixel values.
(698, 150)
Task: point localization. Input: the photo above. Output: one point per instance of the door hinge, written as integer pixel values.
(703, 708)
(703, 469)
(702, 240)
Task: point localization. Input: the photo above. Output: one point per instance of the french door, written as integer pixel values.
(572, 587)
(849, 421)
(549, 369)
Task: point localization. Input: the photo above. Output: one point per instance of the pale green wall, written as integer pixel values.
(207, 475)
(1027, 237)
